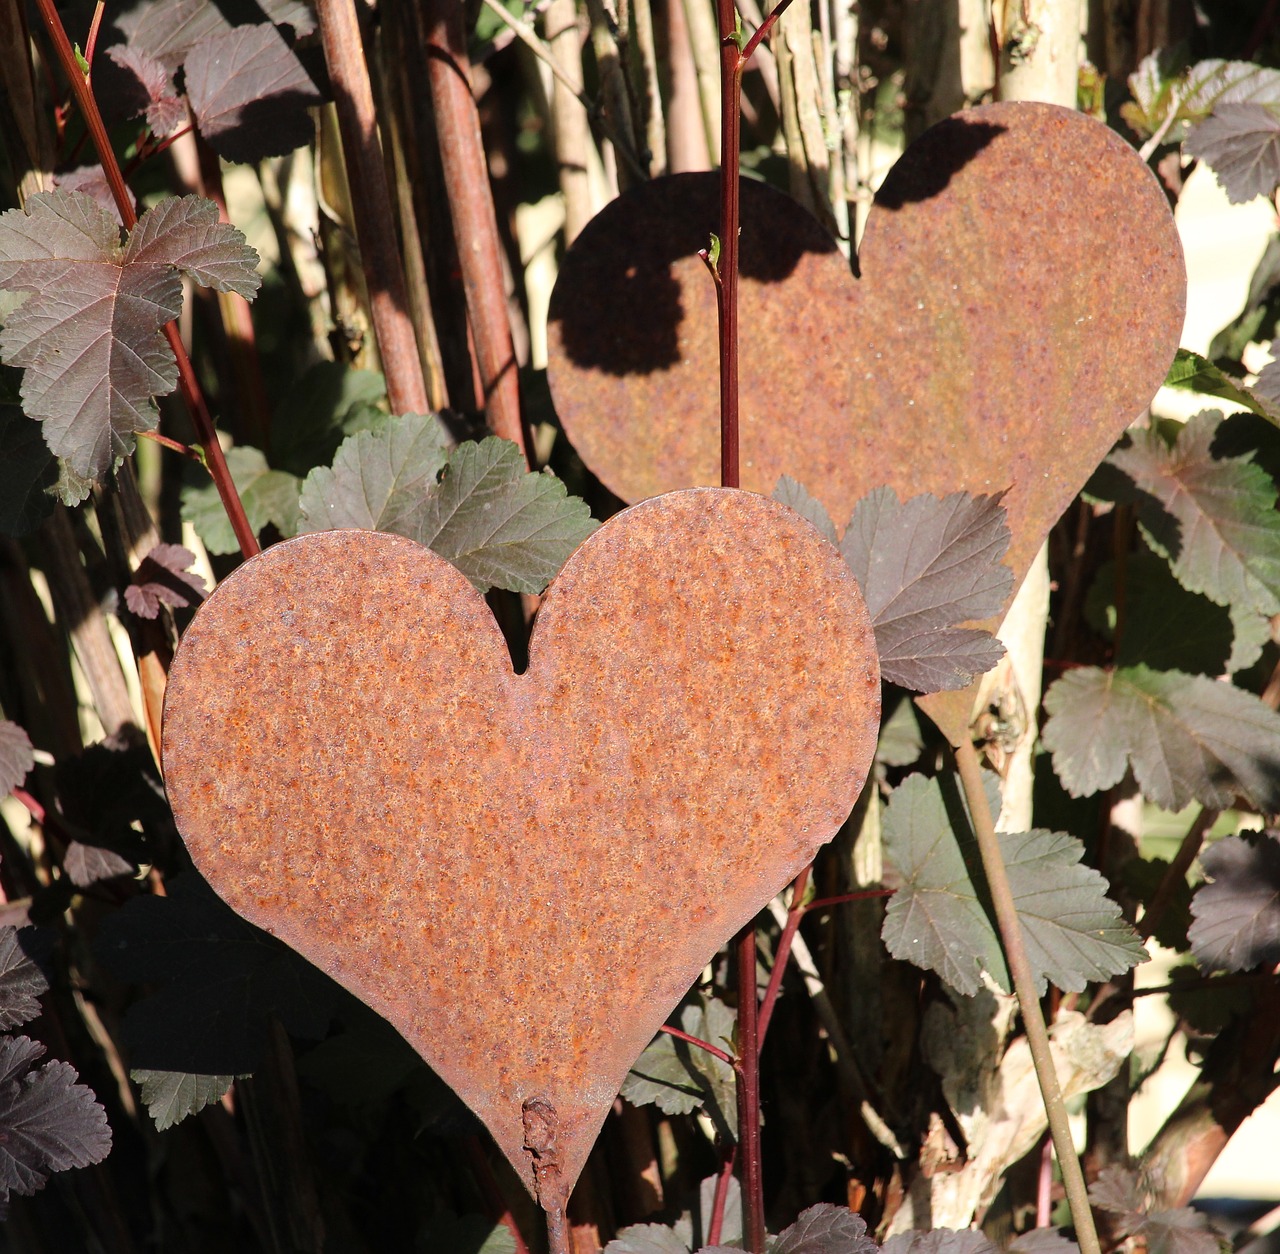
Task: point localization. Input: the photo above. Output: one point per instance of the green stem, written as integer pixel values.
(1024, 985)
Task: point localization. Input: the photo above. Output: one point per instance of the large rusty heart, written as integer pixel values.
(1021, 295)
(525, 873)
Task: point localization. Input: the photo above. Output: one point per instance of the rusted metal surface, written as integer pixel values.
(524, 873)
(1021, 295)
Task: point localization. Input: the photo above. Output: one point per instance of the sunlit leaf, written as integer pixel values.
(164, 577)
(1240, 143)
(22, 982)
(170, 1096)
(796, 496)
(646, 1239)
(167, 29)
(939, 918)
(679, 1077)
(940, 1241)
(16, 756)
(825, 1229)
(250, 93)
(925, 566)
(268, 496)
(1186, 737)
(154, 95)
(1214, 517)
(89, 334)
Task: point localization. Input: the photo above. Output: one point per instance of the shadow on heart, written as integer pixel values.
(627, 284)
(929, 165)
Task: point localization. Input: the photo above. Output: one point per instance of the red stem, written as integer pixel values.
(91, 43)
(794, 915)
(715, 1224)
(205, 429)
(731, 63)
(701, 1044)
(821, 903)
(754, 1232)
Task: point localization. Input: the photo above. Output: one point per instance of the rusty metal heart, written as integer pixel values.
(525, 873)
(1021, 295)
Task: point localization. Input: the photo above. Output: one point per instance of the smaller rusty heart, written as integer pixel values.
(524, 873)
(1020, 296)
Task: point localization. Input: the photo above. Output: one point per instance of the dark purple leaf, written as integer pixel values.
(825, 1229)
(1183, 1231)
(89, 333)
(109, 788)
(167, 29)
(1044, 1241)
(1187, 737)
(925, 567)
(1240, 143)
(1213, 517)
(21, 979)
(87, 864)
(250, 93)
(155, 96)
(1237, 914)
(91, 181)
(940, 1241)
(48, 1122)
(16, 757)
(170, 1096)
(164, 577)
(1268, 382)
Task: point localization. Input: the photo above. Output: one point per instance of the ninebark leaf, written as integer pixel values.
(1193, 93)
(168, 29)
(938, 918)
(378, 479)
(16, 756)
(21, 980)
(250, 93)
(89, 333)
(28, 473)
(825, 1229)
(940, 1241)
(170, 1096)
(1240, 143)
(646, 1239)
(153, 92)
(1237, 913)
(679, 1077)
(48, 1122)
(499, 524)
(164, 577)
(797, 497)
(1213, 517)
(925, 566)
(268, 496)
(1186, 737)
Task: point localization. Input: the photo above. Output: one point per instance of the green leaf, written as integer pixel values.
(170, 1096)
(796, 496)
(268, 496)
(379, 479)
(499, 524)
(679, 1077)
(646, 1239)
(938, 917)
(1192, 373)
(330, 402)
(1213, 517)
(1186, 737)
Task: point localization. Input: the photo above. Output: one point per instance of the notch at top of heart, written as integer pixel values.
(525, 873)
(1020, 296)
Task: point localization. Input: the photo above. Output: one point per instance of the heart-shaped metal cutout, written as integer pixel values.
(525, 873)
(1021, 295)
